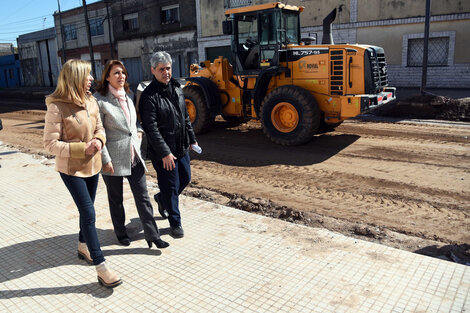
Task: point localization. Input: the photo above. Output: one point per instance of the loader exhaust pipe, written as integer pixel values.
(327, 35)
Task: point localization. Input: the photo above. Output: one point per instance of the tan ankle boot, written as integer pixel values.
(83, 253)
(106, 277)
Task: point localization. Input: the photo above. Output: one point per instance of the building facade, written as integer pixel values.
(142, 27)
(397, 26)
(9, 66)
(38, 58)
(9, 71)
(72, 38)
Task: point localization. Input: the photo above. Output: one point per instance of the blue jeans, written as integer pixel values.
(83, 191)
(171, 184)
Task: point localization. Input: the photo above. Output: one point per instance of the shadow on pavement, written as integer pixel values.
(93, 289)
(24, 258)
(135, 230)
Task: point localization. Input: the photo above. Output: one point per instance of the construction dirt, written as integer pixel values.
(393, 181)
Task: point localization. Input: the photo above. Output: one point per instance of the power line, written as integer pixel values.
(32, 31)
(27, 20)
(21, 8)
(80, 25)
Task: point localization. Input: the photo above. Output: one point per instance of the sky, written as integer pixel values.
(18, 17)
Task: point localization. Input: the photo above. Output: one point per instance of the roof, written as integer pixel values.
(253, 8)
(6, 49)
(48, 33)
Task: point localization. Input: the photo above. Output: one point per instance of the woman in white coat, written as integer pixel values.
(121, 155)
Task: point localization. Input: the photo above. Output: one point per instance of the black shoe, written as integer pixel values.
(159, 243)
(161, 210)
(177, 232)
(125, 241)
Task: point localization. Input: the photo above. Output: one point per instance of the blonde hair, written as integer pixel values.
(71, 81)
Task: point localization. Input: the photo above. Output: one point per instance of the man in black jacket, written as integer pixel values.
(169, 133)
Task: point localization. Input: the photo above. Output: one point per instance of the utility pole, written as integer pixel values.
(425, 48)
(111, 40)
(49, 68)
(87, 24)
(64, 59)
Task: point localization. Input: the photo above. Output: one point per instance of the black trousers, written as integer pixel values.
(138, 184)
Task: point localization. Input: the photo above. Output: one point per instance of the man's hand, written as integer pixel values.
(93, 146)
(139, 135)
(169, 162)
(108, 168)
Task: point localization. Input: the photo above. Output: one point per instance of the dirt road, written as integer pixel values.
(402, 184)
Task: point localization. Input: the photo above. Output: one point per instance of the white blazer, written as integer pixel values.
(119, 135)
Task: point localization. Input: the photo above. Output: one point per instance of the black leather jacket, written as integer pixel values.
(165, 120)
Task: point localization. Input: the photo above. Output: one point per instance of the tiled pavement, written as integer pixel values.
(229, 261)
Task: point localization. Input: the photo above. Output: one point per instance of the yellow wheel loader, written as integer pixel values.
(292, 85)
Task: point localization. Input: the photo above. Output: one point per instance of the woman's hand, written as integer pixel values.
(139, 135)
(93, 146)
(108, 168)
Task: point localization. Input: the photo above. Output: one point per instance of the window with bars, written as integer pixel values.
(96, 26)
(171, 14)
(438, 51)
(70, 31)
(130, 21)
(237, 3)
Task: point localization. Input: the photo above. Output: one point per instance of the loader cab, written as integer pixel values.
(259, 36)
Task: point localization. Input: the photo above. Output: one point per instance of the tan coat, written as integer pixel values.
(67, 129)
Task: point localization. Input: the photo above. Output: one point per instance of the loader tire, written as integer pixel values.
(197, 109)
(290, 115)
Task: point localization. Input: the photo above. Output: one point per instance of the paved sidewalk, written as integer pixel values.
(229, 261)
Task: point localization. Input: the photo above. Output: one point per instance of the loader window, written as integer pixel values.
(248, 46)
(268, 29)
(248, 30)
(290, 22)
(269, 25)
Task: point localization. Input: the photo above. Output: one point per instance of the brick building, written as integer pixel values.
(73, 40)
(142, 27)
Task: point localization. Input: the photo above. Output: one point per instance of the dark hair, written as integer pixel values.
(102, 85)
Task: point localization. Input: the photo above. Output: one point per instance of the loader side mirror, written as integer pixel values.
(227, 27)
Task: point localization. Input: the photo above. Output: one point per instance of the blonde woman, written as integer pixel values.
(73, 132)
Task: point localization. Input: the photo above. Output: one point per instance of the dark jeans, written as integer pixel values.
(83, 191)
(172, 184)
(138, 184)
